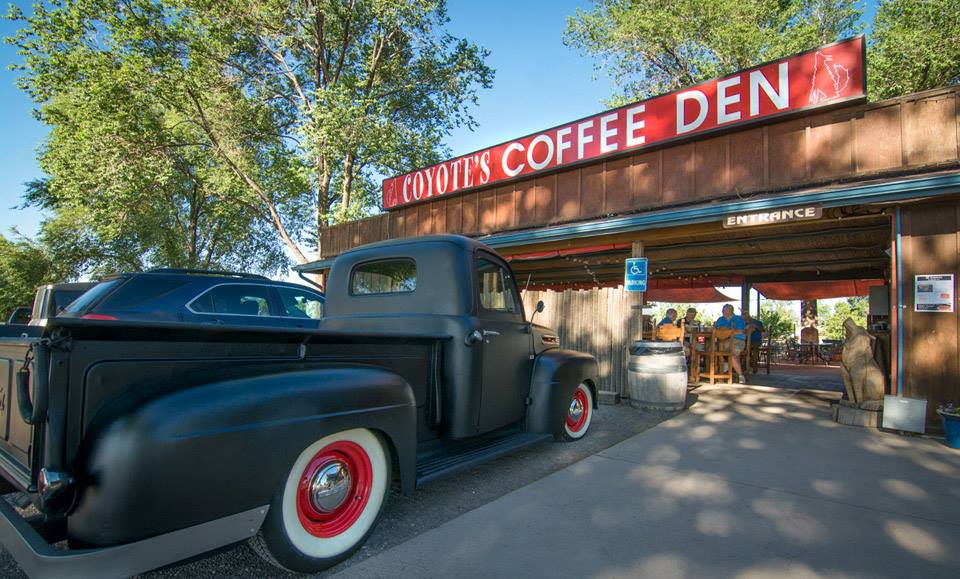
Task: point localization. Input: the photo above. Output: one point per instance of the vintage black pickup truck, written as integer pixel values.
(144, 443)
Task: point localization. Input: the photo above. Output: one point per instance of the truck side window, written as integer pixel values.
(301, 304)
(497, 290)
(385, 276)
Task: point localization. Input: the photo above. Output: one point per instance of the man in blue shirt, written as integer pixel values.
(731, 321)
(669, 319)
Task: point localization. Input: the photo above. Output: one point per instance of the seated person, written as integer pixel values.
(669, 319)
(754, 328)
(734, 322)
(690, 319)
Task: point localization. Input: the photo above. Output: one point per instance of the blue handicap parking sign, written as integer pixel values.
(635, 276)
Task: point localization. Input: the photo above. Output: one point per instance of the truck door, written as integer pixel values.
(506, 345)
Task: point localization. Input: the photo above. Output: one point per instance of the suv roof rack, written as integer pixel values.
(206, 272)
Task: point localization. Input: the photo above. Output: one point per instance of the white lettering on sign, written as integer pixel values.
(780, 97)
(775, 216)
(701, 101)
(634, 125)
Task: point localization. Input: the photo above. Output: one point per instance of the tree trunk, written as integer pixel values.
(323, 201)
(347, 186)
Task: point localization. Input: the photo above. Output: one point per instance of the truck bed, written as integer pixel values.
(100, 364)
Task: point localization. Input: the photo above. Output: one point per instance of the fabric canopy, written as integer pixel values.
(816, 290)
(699, 295)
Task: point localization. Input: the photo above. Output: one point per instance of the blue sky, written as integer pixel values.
(539, 83)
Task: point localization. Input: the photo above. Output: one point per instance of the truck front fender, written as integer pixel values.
(218, 448)
(556, 374)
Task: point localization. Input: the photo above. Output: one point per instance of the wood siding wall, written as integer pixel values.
(597, 321)
(907, 134)
(931, 341)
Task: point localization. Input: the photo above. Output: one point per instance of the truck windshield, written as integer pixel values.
(92, 296)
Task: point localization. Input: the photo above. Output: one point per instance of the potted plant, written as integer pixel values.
(950, 413)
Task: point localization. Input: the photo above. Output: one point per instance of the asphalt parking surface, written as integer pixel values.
(443, 500)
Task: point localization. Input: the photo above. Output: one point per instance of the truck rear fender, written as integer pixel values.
(556, 374)
(219, 448)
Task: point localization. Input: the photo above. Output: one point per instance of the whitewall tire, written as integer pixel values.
(328, 503)
(579, 414)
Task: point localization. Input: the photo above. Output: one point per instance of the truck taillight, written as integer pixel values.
(97, 317)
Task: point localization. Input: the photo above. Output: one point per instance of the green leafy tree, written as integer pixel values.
(231, 131)
(833, 318)
(778, 319)
(915, 46)
(23, 266)
(655, 46)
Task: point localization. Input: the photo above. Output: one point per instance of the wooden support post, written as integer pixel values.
(745, 297)
(636, 250)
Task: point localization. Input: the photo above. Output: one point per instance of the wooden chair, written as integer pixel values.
(762, 354)
(670, 333)
(718, 354)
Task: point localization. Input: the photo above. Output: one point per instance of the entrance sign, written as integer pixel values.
(787, 213)
(933, 293)
(825, 76)
(635, 276)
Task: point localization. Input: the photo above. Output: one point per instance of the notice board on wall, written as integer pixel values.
(933, 293)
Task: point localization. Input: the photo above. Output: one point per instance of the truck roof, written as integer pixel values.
(461, 241)
(443, 274)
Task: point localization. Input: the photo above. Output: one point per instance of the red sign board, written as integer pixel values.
(822, 77)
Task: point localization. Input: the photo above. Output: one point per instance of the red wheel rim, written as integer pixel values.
(330, 523)
(575, 423)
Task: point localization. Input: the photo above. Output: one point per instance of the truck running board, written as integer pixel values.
(460, 456)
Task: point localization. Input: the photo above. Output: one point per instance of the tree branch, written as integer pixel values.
(275, 219)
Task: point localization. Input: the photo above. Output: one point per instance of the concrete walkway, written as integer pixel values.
(750, 482)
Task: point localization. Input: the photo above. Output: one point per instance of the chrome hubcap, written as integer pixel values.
(330, 487)
(576, 409)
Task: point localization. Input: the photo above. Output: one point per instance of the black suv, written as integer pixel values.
(200, 296)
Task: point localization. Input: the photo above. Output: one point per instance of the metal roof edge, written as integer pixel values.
(873, 193)
(312, 266)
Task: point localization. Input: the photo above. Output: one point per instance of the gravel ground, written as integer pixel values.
(431, 506)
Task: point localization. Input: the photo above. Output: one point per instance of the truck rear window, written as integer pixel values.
(387, 276)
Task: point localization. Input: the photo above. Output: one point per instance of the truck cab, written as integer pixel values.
(52, 298)
(454, 286)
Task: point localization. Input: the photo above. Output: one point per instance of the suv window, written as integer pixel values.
(233, 299)
(299, 303)
(94, 294)
(384, 277)
(497, 290)
(142, 289)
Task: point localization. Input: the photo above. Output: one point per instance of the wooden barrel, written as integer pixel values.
(657, 375)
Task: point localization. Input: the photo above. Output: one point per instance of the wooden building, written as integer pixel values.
(884, 178)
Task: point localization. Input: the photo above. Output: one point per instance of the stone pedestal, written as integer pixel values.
(868, 414)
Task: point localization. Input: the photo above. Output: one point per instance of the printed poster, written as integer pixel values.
(933, 293)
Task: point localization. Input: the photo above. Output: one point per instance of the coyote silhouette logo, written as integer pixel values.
(829, 79)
